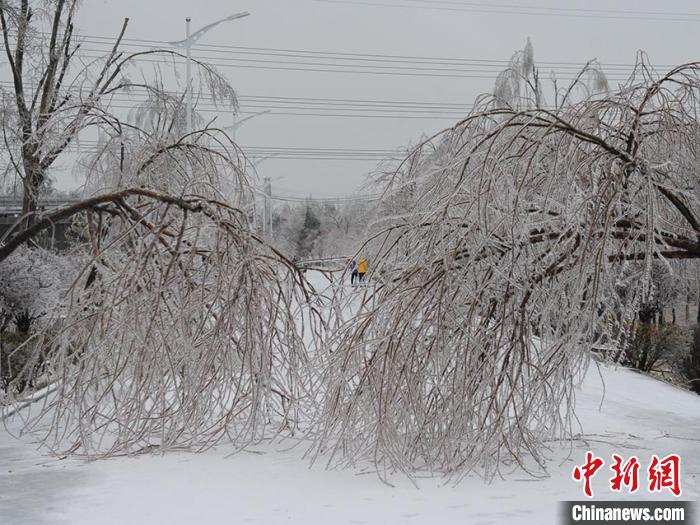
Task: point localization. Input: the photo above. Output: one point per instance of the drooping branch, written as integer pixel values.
(48, 220)
(503, 275)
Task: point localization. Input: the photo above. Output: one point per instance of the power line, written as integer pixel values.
(251, 104)
(353, 63)
(469, 65)
(353, 58)
(306, 103)
(337, 54)
(268, 149)
(368, 110)
(291, 193)
(291, 153)
(296, 148)
(477, 69)
(348, 199)
(525, 10)
(368, 70)
(367, 64)
(358, 101)
(218, 111)
(141, 95)
(558, 9)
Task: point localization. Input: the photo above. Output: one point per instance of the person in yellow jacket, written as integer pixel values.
(361, 268)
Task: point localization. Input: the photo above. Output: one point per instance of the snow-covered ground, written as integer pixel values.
(274, 485)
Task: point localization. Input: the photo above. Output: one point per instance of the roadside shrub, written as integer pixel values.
(691, 363)
(649, 344)
(14, 355)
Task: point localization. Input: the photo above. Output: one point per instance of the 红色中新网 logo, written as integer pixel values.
(662, 474)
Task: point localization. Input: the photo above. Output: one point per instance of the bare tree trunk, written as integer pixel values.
(35, 175)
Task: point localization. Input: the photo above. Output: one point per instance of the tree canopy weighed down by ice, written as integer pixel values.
(501, 279)
(184, 329)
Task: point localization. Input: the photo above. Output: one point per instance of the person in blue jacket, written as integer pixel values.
(353, 271)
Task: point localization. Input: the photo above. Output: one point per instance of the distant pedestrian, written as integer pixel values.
(362, 268)
(353, 271)
(296, 261)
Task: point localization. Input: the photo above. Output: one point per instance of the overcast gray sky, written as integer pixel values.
(439, 29)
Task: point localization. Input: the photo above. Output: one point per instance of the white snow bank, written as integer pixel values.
(638, 416)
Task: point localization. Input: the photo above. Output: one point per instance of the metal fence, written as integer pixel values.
(11, 205)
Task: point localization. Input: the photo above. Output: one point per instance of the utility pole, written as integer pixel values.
(254, 196)
(188, 72)
(268, 205)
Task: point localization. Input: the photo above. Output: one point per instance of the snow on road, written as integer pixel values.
(276, 486)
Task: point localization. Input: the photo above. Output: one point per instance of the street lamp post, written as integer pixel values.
(188, 73)
(190, 39)
(239, 123)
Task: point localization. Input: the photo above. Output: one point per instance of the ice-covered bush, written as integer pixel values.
(32, 281)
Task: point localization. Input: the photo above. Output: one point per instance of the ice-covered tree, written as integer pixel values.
(56, 95)
(309, 233)
(498, 283)
(321, 228)
(182, 327)
(519, 86)
(344, 226)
